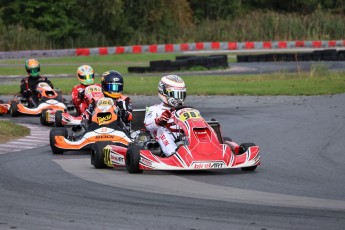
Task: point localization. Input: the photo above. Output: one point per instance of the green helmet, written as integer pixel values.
(32, 67)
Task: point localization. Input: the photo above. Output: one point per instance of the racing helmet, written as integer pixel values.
(32, 67)
(172, 90)
(86, 75)
(112, 84)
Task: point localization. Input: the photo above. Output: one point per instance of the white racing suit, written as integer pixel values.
(163, 136)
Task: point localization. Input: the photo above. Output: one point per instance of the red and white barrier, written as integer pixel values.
(176, 48)
(208, 46)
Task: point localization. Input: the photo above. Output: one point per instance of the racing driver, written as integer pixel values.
(172, 93)
(28, 84)
(86, 77)
(112, 87)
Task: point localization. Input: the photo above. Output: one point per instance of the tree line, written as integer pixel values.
(36, 24)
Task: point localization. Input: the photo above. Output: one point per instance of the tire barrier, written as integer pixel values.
(177, 48)
(183, 63)
(316, 55)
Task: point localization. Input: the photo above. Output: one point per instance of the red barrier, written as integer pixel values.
(120, 50)
(199, 46)
(282, 45)
(169, 48)
(153, 48)
(82, 52)
(267, 45)
(232, 45)
(215, 45)
(249, 45)
(184, 47)
(136, 49)
(103, 51)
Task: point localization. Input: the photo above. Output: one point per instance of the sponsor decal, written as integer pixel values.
(145, 161)
(104, 119)
(117, 159)
(103, 130)
(164, 139)
(105, 137)
(105, 101)
(200, 133)
(208, 165)
(91, 89)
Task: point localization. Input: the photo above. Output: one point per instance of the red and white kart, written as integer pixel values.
(201, 146)
(48, 99)
(70, 116)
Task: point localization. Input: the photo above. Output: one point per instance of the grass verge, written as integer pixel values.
(318, 81)
(271, 84)
(11, 131)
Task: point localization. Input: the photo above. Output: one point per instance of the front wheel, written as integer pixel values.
(97, 154)
(243, 148)
(43, 118)
(133, 158)
(58, 118)
(14, 109)
(55, 132)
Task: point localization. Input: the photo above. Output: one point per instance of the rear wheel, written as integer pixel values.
(54, 133)
(97, 154)
(58, 119)
(133, 158)
(14, 109)
(243, 148)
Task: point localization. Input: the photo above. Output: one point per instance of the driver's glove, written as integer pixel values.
(81, 94)
(163, 119)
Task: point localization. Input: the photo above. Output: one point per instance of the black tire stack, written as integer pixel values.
(183, 63)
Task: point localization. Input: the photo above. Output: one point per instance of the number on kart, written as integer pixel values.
(186, 115)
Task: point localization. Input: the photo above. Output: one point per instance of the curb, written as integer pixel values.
(39, 137)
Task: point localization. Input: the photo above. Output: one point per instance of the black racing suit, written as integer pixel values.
(28, 88)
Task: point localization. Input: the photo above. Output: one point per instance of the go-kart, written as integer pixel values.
(70, 117)
(48, 98)
(102, 125)
(4, 108)
(200, 146)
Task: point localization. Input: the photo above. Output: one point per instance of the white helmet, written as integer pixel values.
(172, 90)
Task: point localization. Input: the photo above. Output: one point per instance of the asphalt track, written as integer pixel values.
(300, 184)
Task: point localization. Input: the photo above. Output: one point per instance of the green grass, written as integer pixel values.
(10, 131)
(275, 84)
(316, 82)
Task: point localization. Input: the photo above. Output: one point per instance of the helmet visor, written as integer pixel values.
(34, 71)
(86, 76)
(113, 87)
(178, 94)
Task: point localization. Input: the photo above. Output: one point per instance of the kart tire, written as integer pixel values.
(243, 148)
(59, 95)
(14, 109)
(97, 154)
(227, 139)
(132, 158)
(43, 118)
(58, 119)
(53, 133)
